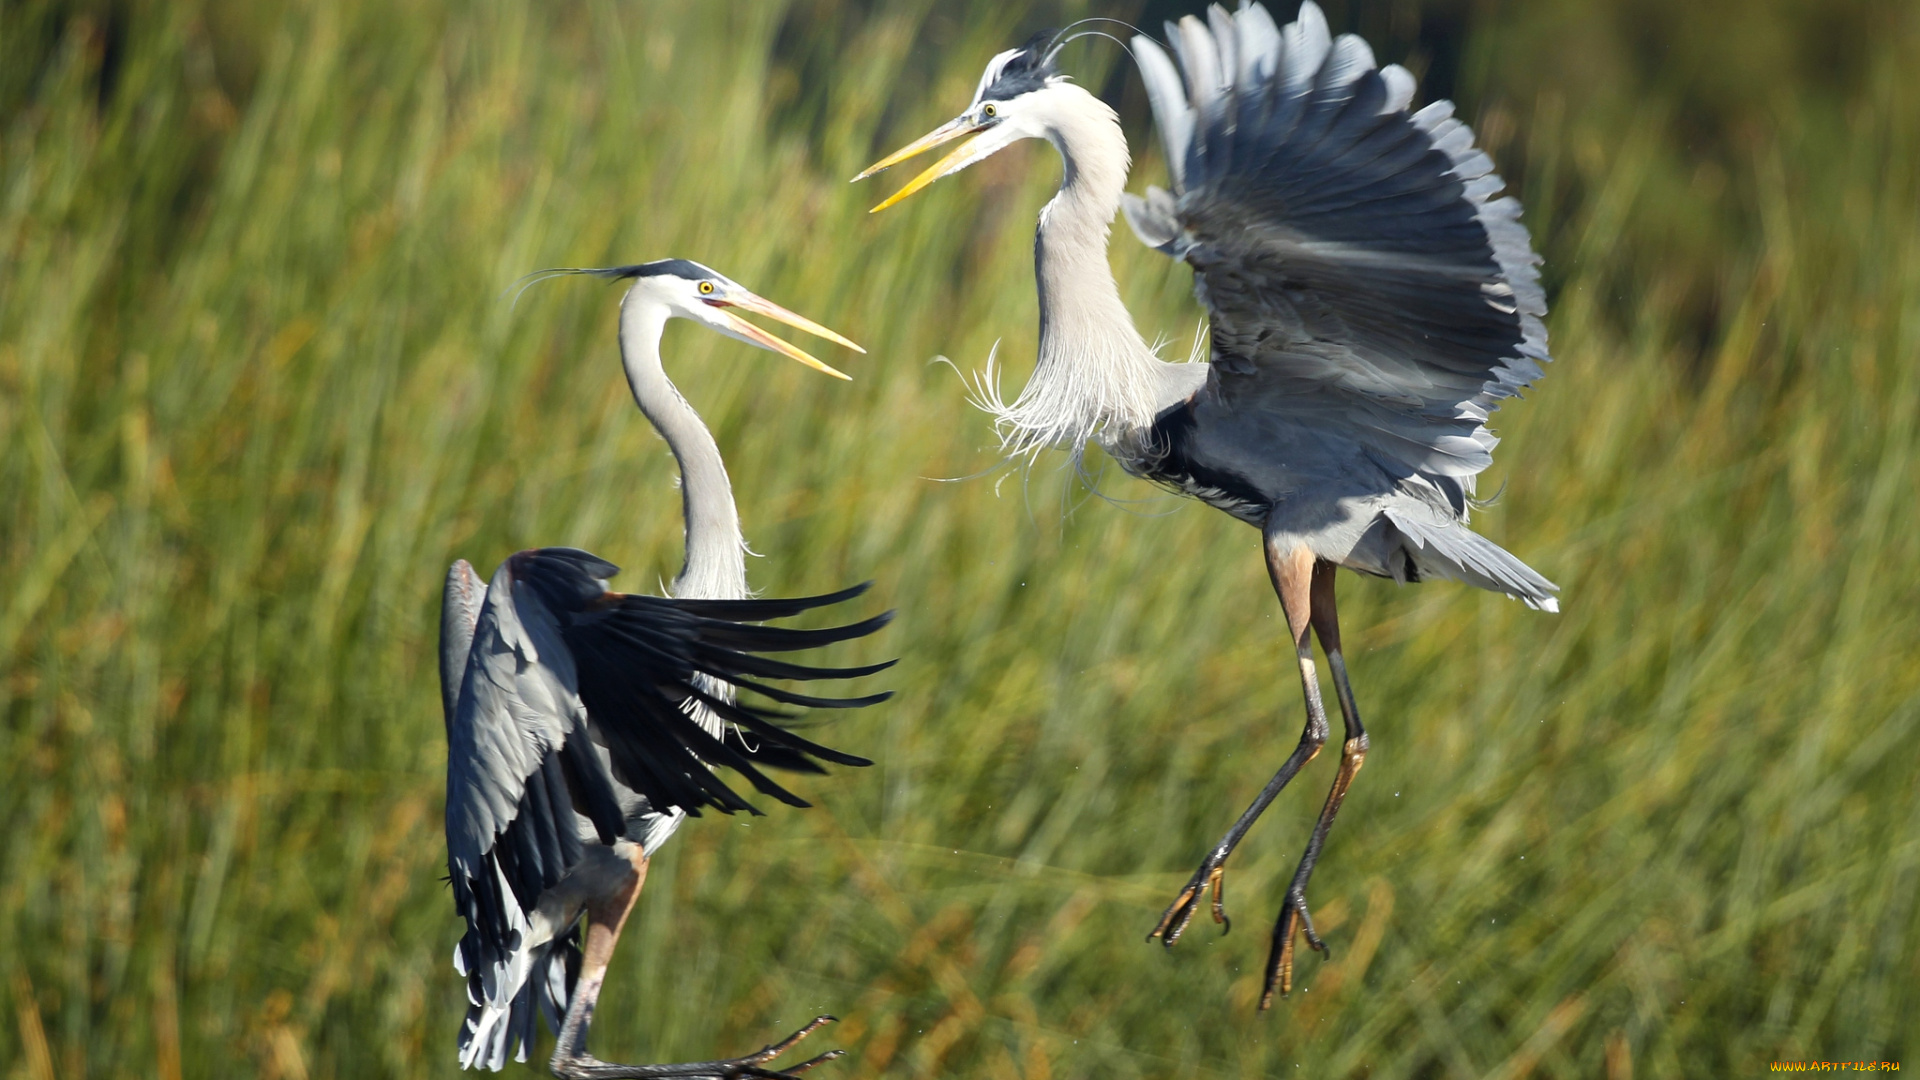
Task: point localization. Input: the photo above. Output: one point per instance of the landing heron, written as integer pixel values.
(582, 723)
(1371, 299)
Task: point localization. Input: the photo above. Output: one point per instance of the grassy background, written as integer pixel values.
(258, 387)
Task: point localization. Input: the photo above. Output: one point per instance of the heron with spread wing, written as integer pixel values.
(583, 724)
(1371, 300)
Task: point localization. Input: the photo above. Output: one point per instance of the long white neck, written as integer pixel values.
(716, 567)
(1095, 377)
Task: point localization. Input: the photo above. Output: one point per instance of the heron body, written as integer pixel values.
(583, 724)
(1371, 299)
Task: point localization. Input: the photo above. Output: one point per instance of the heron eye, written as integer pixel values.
(989, 110)
(706, 288)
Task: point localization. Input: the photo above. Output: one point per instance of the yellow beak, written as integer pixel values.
(749, 302)
(954, 162)
(946, 132)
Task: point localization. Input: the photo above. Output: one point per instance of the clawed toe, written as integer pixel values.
(1210, 877)
(589, 1068)
(803, 1066)
(768, 1053)
(1294, 921)
(1219, 886)
(1174, 920)
(745, 1069)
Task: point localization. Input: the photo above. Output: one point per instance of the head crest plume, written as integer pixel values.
(1065, 36)
(1019, 71)
(1027, 68)
(680, 268)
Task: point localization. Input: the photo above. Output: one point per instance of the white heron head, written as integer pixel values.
(1014, 101)
(688, 290)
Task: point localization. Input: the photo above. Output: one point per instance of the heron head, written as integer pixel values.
(689, 290)
(1009, 105)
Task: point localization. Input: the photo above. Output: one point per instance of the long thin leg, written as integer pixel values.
(1353, 754)
(606, 917)
(1291, 569)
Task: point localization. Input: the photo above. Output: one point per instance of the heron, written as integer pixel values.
(1371, 298)
(583, 723)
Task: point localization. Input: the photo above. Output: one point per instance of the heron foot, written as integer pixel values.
(1294, 920)
(587, 1067)
(1210, 877)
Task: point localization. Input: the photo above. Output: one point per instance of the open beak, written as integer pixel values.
(976, 150)
(947, 132)
(746, 301)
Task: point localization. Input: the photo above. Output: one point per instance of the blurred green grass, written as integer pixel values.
(258, 386)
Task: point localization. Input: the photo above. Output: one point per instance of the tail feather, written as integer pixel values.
(503, 1021)
(1451, 550)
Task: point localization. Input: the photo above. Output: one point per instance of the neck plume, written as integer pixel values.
(715, 567)
(1095, 378)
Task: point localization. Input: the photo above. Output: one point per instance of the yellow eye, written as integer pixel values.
(989, 110)
(706, 288)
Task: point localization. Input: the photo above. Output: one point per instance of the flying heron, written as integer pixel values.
(582, 723)
(1371, 300)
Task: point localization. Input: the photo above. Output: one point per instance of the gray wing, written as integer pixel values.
(569, 692)
(560, 667)
(517, 706)
(519, 758)
(1354, 256)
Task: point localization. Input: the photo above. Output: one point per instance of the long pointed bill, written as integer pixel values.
(991, 141)
(752, 334)
(947, 132)
(761, 306)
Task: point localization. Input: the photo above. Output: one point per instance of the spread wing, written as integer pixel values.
(559, 665)
(566, 694)
(1356, 258)
(519, 762)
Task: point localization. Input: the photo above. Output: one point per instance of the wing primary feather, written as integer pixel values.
(752, 720)
(1307, 41)
(717, 659)
(1225, 42)
(788, 697)
(1170, 110)
(1259, 47)
(652, 740)
(759, 609)
(783, 639)
(1226, 46)
(637, 659)
(1400, 88)
(1204, 87)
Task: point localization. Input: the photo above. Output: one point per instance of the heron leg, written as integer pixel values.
(1291, 568)
(605, 919)
(1353, 753)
